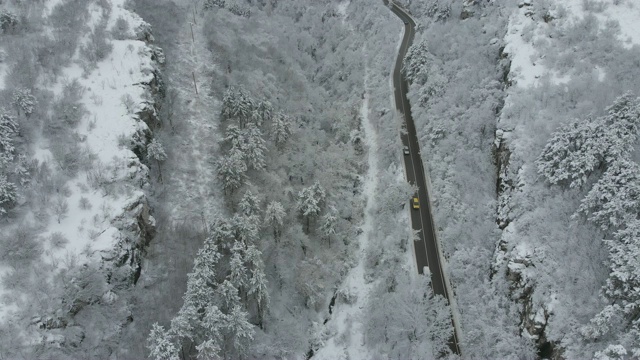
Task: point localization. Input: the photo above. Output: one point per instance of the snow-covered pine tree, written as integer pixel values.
(255, 147)
(249, 142)
(238, 275)
(257, 285)
(439, 12)
(155, 151)
(328, 224)
(246, 228)
(600, 325)
(239, 329)
(8, 21)
(161, 345)
(213, 321)
(263, 113)
(612, 352)
(240, 10)
(417, 63)
(280, 128)
(8, 131)
(210, 4)
(227, 296)
(222, 232)
(310, 201)
(623, 285)
(8, 190)
(234, 136)
(24, 102)
(274, 216)
(615, 197)
(620, 127)
(232, 170)
(8, 194)
(237, 104)
(571, 154)
(250, 204)
(581, 146)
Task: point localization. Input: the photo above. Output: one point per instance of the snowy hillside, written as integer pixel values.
(80, 221)
(571, 61)
(244, 196)
(529, 117)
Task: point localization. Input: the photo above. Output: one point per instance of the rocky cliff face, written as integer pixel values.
(99, 285)
(515, 263)
(136, 224)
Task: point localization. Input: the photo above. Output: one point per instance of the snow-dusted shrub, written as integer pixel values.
(58, 240)
(60, 208)
(129, 103)
(67, 156)
(84, 203)
(24, 102)
(8, 194)
(97, 48)
(240, 10)
(438, 11)
(50, 54)
(121, 30)
(23, 71)
(98, 177)
(210, 4)
(20, 246)
(156, 152)
(596, 6)
(69, 14)
(312, 275)
(83, 285)
(67, 110)
(8, 22)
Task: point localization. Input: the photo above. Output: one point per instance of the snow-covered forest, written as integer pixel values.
(223, 179)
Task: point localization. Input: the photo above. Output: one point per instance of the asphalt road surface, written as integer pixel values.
(426, 248)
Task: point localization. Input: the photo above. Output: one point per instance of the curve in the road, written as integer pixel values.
(426, 247)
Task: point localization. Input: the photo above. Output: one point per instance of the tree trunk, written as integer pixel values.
(159, 171)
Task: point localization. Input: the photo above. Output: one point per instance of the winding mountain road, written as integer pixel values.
(426, 247)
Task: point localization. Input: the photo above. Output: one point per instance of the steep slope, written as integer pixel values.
(73, 241)
(570, 60)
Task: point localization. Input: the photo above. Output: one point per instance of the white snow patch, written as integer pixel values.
(627, 13)
(3, 73)
(526, 67)
(116, 78)
(6, 305)
(342, 9)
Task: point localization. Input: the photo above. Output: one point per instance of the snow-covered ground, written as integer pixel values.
(526, 34)
(346, 325)
(347, 319)
(199, 135)
(113, 92)
(116, 78)
(558, 48)
(625, 12)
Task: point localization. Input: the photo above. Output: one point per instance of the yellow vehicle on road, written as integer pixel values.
(415, 203)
